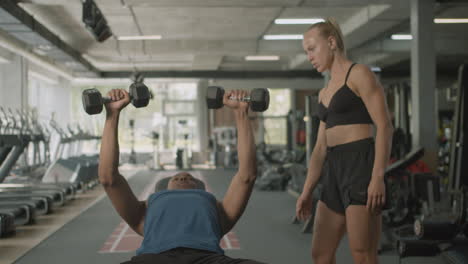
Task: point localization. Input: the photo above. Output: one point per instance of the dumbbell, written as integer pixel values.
(259, 98)
(93, 101)
(435, 229)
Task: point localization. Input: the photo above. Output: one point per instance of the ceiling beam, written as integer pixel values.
(12, 44)
(11, 6)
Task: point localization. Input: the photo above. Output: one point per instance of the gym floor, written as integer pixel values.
(264, 233)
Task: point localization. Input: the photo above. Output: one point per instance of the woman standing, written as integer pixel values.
(352, 162)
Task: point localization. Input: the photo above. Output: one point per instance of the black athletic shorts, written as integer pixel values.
(187, 256)
(347, 172)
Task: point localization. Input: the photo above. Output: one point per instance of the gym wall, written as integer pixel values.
(13, 82)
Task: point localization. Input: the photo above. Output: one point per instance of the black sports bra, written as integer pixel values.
(345, 108)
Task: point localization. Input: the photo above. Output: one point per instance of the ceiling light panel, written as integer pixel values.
(262, 58)
(298, 21)
(282, 37)
(450, 20)
(147, 37)
(401, 37)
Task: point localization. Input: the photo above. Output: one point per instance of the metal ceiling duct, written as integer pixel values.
(40, 43)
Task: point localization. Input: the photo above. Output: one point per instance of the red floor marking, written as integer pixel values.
(124, 239)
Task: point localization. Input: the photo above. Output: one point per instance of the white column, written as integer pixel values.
(423, 80)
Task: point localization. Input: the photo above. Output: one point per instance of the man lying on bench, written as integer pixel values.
(183, 224)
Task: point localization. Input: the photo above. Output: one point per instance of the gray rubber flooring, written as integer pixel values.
(264, 232)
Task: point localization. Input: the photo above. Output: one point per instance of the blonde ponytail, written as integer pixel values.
(331, 28)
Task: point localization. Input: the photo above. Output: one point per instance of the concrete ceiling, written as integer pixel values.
(216, 35)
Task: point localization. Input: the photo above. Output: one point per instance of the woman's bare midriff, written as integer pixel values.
(343, 134)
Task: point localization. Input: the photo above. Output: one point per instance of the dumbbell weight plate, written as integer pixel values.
(259, 99)
(92, 101)
(214, 97)
(140, 94)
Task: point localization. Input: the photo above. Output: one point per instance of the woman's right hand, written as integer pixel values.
(304, 207)
(120, 99)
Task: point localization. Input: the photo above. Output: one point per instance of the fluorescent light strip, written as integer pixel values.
(261, 58)
(282, 37)
(401, 37)
(297, 21)
(148, 37)
(450, 20)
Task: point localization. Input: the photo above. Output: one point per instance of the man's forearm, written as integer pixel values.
(245, 145)
(109, 155)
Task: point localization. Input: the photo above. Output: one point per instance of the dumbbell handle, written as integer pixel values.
(242, 99)
(107, 99)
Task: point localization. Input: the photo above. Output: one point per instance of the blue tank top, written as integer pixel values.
(181, 218)
(344, 108)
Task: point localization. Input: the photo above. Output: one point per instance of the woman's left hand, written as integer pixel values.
(376, 195)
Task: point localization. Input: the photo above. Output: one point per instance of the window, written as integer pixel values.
(275, 118)
(280, 102)
(182, 91)
(275, 130)
(179, 107)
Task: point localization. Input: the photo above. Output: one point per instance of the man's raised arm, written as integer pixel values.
(115, 185)
(240, 189)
